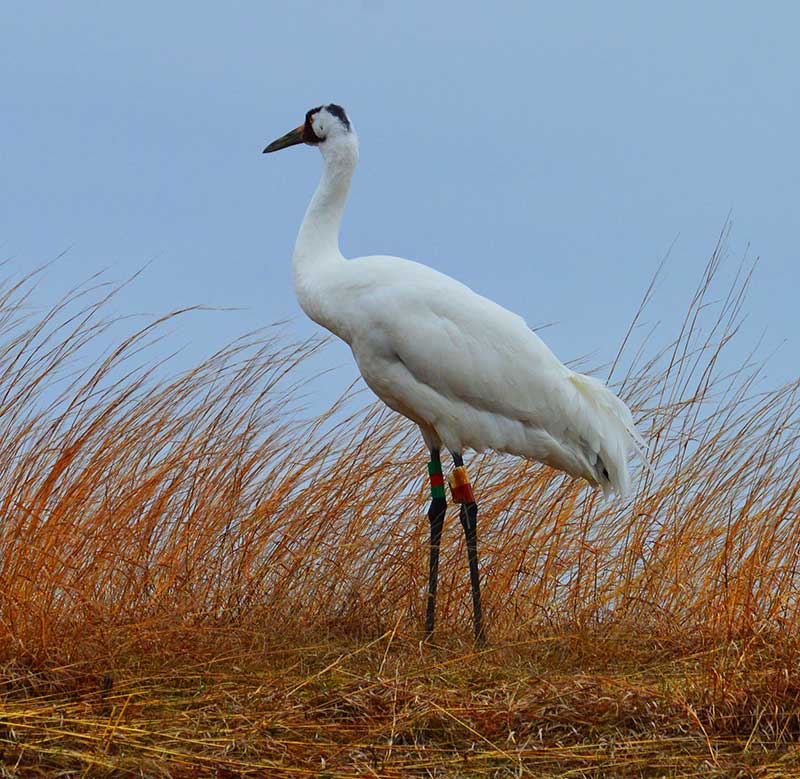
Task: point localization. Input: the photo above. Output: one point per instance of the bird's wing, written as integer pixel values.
(459, 343)
(440, 353)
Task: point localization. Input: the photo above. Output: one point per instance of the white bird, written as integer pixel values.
(469, 372)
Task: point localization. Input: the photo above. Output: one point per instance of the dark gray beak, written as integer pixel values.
(290, 139)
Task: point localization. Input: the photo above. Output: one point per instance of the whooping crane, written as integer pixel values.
(469, 372)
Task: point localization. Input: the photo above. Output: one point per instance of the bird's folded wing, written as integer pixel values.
(468, 348)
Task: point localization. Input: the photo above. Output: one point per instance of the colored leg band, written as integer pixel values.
(460, 486)
(437, 479)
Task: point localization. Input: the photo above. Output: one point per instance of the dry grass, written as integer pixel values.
(566, 707)
(197, 578)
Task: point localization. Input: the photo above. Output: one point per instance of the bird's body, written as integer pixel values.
(469, 372)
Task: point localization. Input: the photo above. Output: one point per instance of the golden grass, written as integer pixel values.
(566, 706)
(199, 578)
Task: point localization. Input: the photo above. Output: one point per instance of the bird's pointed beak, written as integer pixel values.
(291, 138)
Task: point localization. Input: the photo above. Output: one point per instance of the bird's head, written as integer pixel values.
(325, 126)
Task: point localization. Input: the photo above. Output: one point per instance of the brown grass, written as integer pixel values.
(199, 578)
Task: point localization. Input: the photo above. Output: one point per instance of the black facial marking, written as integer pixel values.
(309, 136)
(339, 113)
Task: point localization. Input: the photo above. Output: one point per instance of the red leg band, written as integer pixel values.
(460, 487)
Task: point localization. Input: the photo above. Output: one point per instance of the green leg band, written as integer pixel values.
(436, 478)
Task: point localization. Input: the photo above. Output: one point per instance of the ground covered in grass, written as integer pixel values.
(228, 705)
(200, 577)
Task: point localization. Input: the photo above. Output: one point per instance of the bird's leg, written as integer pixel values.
(436, 513)
(462, 493)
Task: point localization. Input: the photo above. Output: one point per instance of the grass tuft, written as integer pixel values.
(198, 577)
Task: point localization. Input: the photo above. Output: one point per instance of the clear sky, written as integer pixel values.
(546, 154)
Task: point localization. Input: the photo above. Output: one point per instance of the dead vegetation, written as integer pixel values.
(198, 578)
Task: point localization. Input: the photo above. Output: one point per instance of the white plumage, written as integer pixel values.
(470, 373)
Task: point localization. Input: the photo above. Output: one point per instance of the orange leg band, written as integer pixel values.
(460, 486)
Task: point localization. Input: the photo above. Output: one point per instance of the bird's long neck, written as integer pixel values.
(317, 242)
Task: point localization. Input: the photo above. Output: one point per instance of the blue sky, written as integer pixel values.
(546, 154)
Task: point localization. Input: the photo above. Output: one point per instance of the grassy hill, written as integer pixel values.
(199, 578)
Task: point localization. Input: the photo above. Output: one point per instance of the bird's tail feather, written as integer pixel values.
(609, 422)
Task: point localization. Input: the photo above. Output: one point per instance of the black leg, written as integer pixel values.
(469, 521)
(436, 513)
